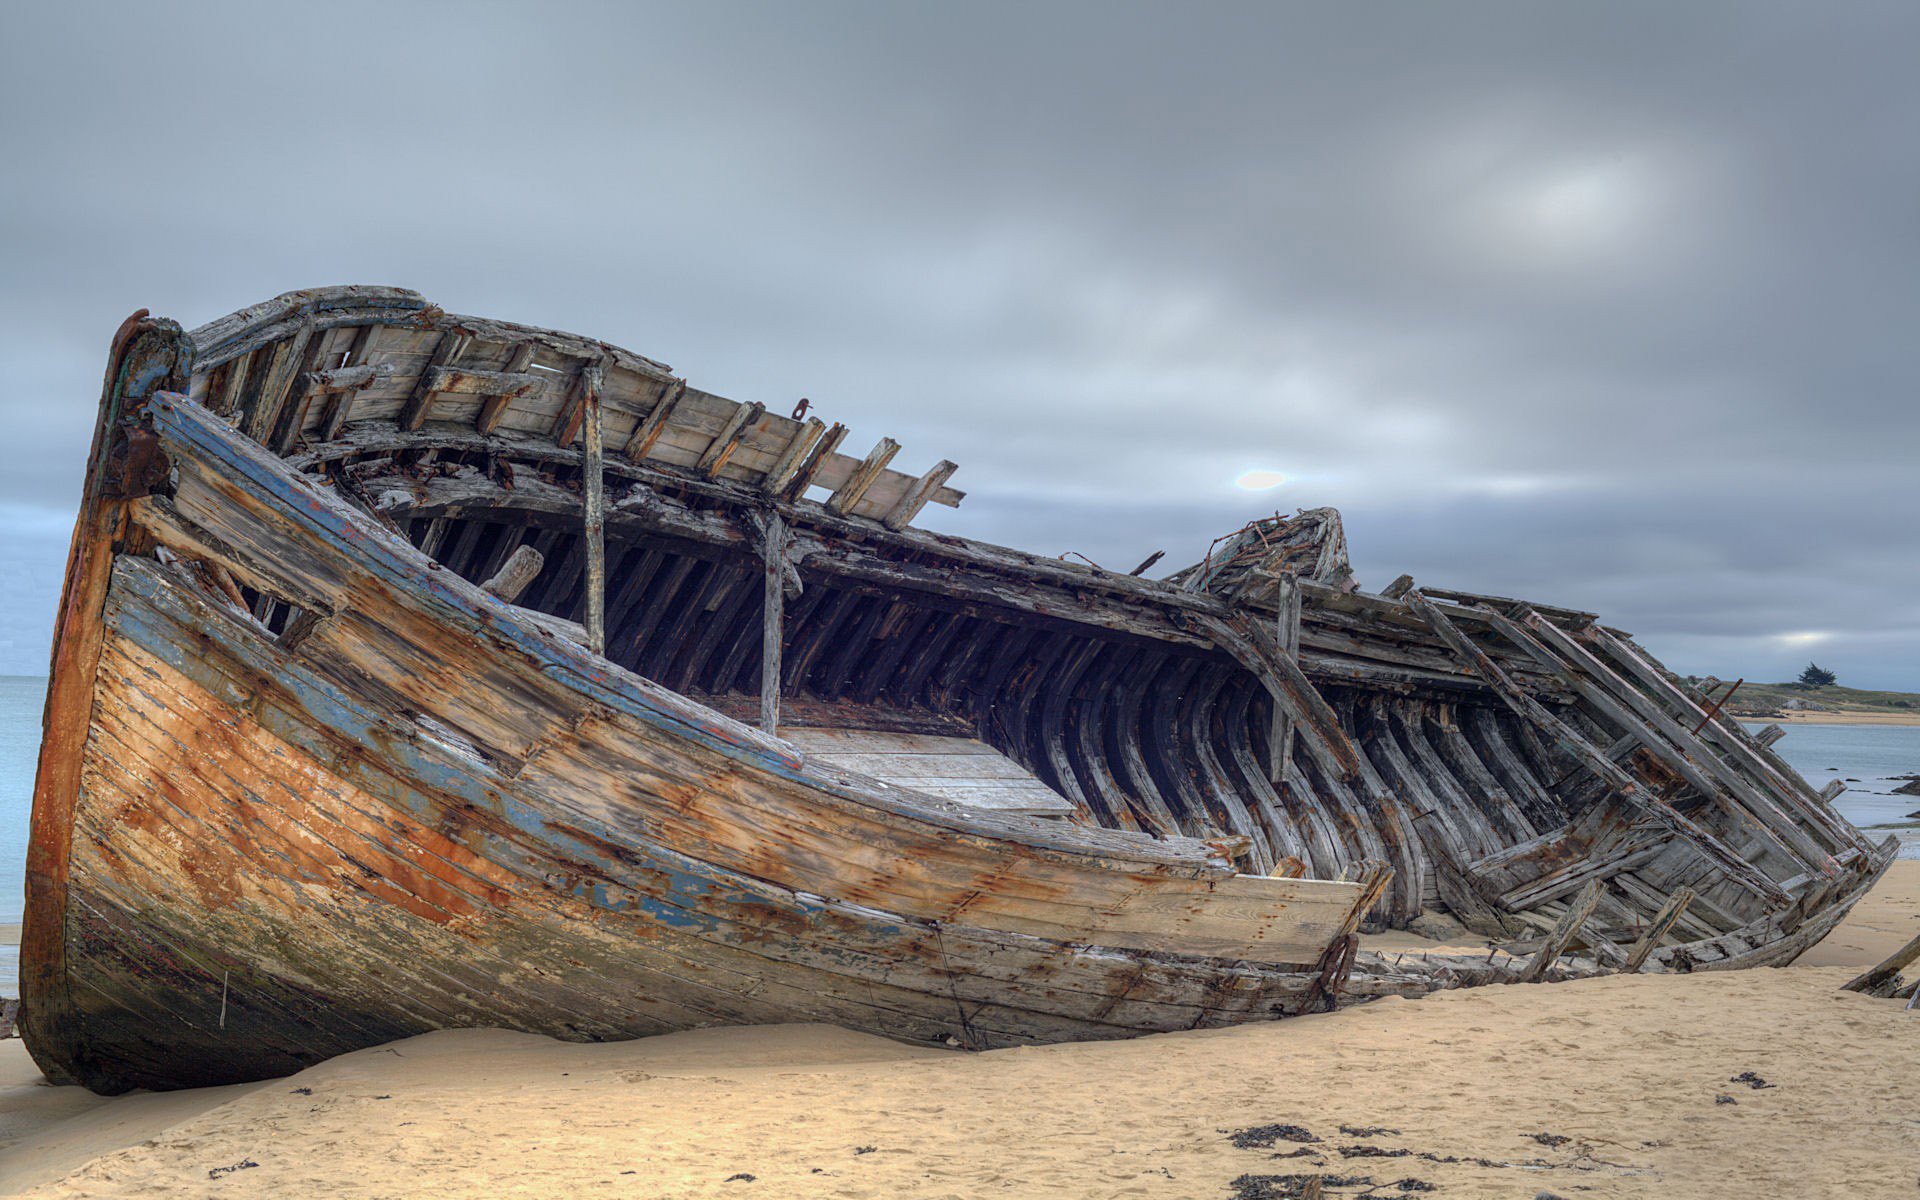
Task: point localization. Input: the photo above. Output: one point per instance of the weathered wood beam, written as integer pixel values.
(720, 451)
(419, 405)
(655, 423)
(1259, 651)
(494, 409)
(1667, 739)
(915, 498)
(284, 363)
(848, 494)
(1769, 735)
(1609, 772)
(1287, 632)
(592, 378)
(464, 381)
(792, 455)
(1889, 969)
(1833, 790)
(522, 567)
(1563, 933)
(774, 541)
(1663, 921)
(340, 401)
(815, 459)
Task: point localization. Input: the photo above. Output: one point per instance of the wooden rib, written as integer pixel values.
(792, 455)
(494, 408)
(1563, 932)
(848, 494)
(284, 364)
(1287, 631)
(1663, 921)
(816, 458)
(419, 405)
(917, 495)
(1703, 840)
(592, 378)
(649, 430)
(340, 403)
(773, 550)
(721, 449)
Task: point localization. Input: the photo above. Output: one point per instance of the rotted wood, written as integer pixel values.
(1663, 922)
(285, 361)
(521, 568)
(775, 539)
(849, 493)
(810, 464)
(916, 497)
(655, 423)
(419, 406)
(1570, 740)
(721, 450)
(1667, 739)
(592, 379)
(1769, 735)
(1563, 933)
(340, 400)
(1286, 597)
(1883, 978)
(792, 455)
(494, 408)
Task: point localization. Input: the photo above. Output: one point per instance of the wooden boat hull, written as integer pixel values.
(306, 788)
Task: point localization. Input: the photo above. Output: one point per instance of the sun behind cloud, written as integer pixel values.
(1259, 480)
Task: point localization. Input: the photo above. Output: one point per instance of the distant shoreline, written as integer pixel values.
(1799, 717)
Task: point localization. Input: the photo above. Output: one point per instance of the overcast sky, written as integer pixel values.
(1612, 308)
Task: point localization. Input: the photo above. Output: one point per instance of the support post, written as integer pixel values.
(1563, 933)
(1650, 940)
(773, 554)
(592, 376)
(1287, 629)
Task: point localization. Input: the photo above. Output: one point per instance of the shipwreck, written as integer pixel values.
(418, 671)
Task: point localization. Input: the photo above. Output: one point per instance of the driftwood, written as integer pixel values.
(1883, 979)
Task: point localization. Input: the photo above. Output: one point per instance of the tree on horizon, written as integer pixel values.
(1817, 676)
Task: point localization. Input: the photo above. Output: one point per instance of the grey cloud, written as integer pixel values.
(1608, 306)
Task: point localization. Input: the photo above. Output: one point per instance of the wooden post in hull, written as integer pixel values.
(1563, 932)
(592, 376)
(1287, 595)
(773, 553)
(1669, 913)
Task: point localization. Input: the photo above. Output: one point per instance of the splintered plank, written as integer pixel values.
(649, 430)
(918, 494)
(728, 440)
(848, 494)
(419, 405)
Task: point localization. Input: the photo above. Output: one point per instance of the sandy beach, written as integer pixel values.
(1837, 717)
(1612, 1087)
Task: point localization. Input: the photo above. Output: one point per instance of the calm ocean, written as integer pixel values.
(1865, 755)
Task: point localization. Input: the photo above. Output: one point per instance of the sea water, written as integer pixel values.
(1868, 757)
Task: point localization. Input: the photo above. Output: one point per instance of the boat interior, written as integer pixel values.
(1483, 755)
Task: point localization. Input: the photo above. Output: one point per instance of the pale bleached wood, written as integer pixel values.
(727, 441)
(1670, 912)
(1563, 932)
(419, 405)
(774, 540)
(592, 378)
(1287, 632)
(522, 567)
(495, 407)
(648, 432)
(909, 505)
(848, 494)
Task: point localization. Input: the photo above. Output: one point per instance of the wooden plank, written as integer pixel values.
(592, 378)
(1769, 735)
(1703, 840)
(359, 357)
(464, 381)
(791, 455)
(1889, 969)
(848, 494)
(284, 363)
(1287, 631)
(810, 466)
(727, 441)
(648, 432)
(1563, 932)
(909, 505)
(419, 405)
(774, 540)
(1663, 921)
(495, 408)
(520, 569)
